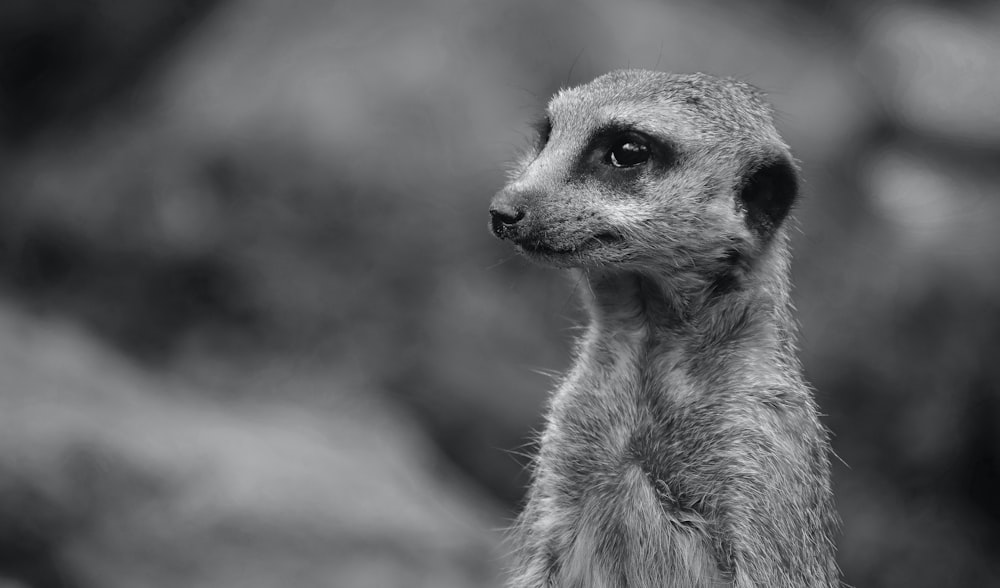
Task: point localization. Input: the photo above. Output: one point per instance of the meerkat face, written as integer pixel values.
(649, 171)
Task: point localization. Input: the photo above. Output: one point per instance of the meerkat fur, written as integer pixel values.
(683, 448)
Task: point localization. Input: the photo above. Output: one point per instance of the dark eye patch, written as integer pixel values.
(628, 150)
(618, 152)
(620, 156)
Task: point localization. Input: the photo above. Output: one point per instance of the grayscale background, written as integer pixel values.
(254, 331)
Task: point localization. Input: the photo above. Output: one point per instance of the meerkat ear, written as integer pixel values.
(769, 188)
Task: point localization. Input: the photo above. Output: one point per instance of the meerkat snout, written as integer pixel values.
(549, 224)
(505, 214)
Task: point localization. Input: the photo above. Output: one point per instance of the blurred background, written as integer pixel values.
(254, 332)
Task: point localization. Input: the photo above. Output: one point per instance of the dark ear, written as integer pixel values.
(769, 189)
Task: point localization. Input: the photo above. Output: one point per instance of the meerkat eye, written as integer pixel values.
(629, 150)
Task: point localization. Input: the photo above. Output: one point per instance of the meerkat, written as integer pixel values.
(683, 448)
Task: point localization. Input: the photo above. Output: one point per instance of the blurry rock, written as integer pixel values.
(826, 110)
(62, 60)
(938, 72)
(332, 164)
(936, 211)
(112, 478)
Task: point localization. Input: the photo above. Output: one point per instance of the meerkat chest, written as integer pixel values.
(605, 502)
(619, 408)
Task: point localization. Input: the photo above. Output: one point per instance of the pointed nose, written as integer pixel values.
(506, 210)
(504, 219)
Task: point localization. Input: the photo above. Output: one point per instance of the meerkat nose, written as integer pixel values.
(503, 217)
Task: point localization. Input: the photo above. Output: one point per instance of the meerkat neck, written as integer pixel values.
(755, 314)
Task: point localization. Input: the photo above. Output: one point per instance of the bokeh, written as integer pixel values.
(254, 331)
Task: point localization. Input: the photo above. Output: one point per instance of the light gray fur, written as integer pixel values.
(683, 448)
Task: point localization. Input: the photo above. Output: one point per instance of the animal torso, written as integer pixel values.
(683, 448)
(663, 464)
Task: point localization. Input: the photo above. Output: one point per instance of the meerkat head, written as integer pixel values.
(652, 172)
